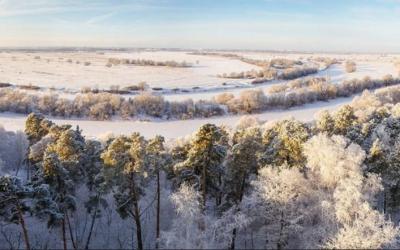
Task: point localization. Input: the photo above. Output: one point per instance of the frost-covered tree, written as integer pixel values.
(33, 130)
(189, 230)
(96, 184)
(325, 122)
(279, 205)
(70, 150)
(330, 203)
(241, 162)
(384, 159)
(125, 160)
(14, 203)
(284, 143)
(369, 230)
(203, 166)
(36, 126)
(338, 167)
(157, 160)
(13, 151)
(344, 118)
(62, 191)
(36, 151)
(186, 230)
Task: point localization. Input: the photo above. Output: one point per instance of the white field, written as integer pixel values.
(54, 70)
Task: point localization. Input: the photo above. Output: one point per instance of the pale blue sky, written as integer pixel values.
(312, 25)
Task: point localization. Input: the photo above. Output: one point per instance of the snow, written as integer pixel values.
(23, 68)
(52, 69)
(373, 69)
(173, 129)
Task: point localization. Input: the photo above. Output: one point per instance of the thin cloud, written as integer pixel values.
(9, 8)
(100, 18)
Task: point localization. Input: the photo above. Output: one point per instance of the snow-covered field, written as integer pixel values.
(60, 70)
(54, 69)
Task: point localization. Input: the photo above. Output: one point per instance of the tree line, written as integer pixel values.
(148, 62)
(105, 106)
(267, 74)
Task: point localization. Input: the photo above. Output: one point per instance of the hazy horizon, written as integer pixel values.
(129, 48)
(286, 25)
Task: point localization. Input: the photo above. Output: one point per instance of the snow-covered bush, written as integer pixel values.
(147, 62)
(350, 66)
(102, 105)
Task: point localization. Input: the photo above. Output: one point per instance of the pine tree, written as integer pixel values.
(284, 143)
(242, 161)
(126, 160)
(96, 184)
(14, 203)
(61, 188)
(157, 160)
(203, 166)
(70, 150)
(36, 127)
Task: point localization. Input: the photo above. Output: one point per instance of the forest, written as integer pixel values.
(329, 183)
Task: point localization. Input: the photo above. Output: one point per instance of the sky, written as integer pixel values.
(299, 25)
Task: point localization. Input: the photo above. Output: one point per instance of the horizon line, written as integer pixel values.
(71, 48)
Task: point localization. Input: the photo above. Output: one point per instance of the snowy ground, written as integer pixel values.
(54, 70)
(174, 129)
(336, 73)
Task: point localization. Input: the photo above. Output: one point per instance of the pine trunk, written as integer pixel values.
(23, 226)
(136, 212)
(279, 245)
(240, 200)
(384, 202)
(158, 209)
(138, 225)
(28, 167)
(203, 183)
(233, 239)
(70, 232)
(64, 237)
(91, 227)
